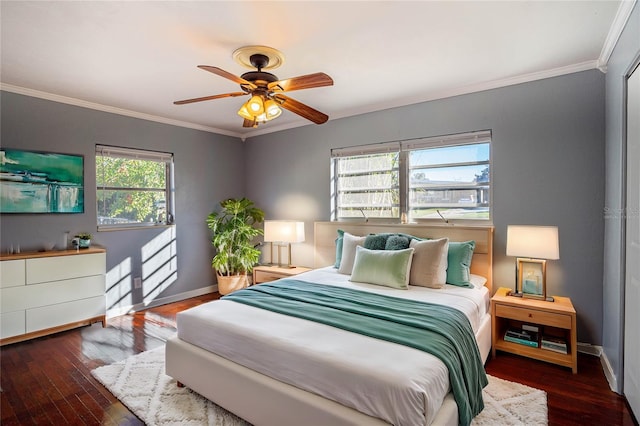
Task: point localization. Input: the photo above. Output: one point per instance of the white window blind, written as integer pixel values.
(134, 154)
(366, 181)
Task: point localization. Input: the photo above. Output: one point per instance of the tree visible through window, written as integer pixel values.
(133, 187)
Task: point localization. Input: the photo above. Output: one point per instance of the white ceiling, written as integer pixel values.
(136, 58)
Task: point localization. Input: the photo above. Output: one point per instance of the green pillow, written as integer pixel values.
(376, 241)
(459, 263)
(397, 242)
(339, 240)
(390, 268)
(388, 241)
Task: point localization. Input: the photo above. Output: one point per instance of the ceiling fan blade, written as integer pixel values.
(228, 75)
(301, 109)
(208, 98)
(309, 81)
(249, 123)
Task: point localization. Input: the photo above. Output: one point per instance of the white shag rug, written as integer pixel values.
(141, 384)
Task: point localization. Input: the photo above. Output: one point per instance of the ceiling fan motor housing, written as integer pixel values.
(259, 76)
(259, 61)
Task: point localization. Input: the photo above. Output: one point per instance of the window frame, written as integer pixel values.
(404, 148)
(138, 154)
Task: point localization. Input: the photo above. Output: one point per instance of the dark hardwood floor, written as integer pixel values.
(48, 380)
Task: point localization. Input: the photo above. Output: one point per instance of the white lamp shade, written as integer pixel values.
(539, 242)
(283, 231)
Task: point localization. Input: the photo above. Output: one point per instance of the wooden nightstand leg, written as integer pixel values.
(574, 346)
(494, 330)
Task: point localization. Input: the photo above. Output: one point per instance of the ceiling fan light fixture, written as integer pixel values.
(244, 112)
(269, 107)
(272, 109)
(256, 105)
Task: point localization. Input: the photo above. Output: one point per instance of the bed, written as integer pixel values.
(272, 369)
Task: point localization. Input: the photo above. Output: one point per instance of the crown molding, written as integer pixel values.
(615, 31)
(114, 110)
(448, 93)
(473, 88)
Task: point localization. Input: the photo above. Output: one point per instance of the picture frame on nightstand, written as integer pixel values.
(532, 282)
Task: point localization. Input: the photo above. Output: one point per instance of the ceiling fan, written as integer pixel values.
(265, 89)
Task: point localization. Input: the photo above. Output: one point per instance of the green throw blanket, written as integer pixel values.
(439, 330)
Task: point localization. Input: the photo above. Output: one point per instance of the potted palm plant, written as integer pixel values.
(233, 231)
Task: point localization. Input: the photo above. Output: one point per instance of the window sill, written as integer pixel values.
(134, 227)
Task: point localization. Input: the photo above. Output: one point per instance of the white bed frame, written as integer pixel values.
(261, 400)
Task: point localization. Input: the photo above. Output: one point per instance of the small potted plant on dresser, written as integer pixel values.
(82, 240)
(233, 231)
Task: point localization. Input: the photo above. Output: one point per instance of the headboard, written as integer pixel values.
(482, 262)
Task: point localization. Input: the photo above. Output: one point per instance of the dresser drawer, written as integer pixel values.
(64, 313)
(264, 276)
(534, 316)
(12, 273)
(47, 269)
(34, 295)
(12, 324)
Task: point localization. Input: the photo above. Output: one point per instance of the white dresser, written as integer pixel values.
(47, 292)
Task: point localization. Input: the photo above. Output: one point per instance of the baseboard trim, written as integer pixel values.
(595, 350)
(609, 374)
(123, 310)
(589, 349)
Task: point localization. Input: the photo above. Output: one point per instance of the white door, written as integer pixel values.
(632, 276)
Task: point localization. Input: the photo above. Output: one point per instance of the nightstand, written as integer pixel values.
(556, 318)
(264, 273)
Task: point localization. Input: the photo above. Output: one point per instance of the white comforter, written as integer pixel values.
(401, 385)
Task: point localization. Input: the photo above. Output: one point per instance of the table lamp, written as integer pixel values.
(533, 246)
(283, 231)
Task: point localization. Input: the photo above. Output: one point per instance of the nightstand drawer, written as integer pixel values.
(534, 316)
(264, 276)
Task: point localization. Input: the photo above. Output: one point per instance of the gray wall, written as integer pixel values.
(548, 164)
(548, 168)
(208, 168)
(626, 52)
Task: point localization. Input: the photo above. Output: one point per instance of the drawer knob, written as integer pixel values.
(530, 315)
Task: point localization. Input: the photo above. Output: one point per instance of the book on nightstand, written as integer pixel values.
(554, 344)
(521, 336)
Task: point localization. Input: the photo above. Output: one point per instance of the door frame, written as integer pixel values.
(634, 67)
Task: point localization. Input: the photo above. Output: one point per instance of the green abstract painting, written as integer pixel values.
(40, 182)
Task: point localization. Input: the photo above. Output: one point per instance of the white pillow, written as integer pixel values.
(390, 268)
(429, 265)
(478, 281)
(349, 244)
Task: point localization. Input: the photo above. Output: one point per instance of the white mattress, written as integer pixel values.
(401, 385)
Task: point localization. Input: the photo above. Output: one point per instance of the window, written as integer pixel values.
(134, 187)
(427, 178)
(368, 182)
